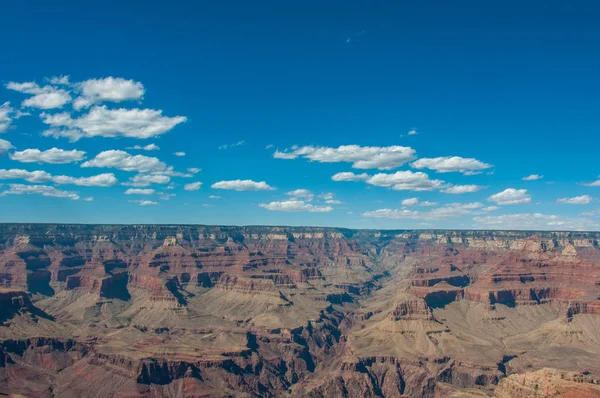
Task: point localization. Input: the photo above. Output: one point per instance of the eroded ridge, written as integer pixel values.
(190, 311)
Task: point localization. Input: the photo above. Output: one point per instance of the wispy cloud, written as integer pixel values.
(239, 143)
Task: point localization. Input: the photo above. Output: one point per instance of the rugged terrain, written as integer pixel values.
(201, 311)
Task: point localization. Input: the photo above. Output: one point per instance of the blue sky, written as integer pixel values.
(268, 98)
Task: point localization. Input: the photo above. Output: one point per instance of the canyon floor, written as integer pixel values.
(208, 311)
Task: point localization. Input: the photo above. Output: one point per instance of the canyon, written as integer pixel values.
(220, 311)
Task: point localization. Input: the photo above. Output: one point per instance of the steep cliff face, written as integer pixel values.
(192, 311)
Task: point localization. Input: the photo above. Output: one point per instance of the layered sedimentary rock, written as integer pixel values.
(170, 311)
(548, 383)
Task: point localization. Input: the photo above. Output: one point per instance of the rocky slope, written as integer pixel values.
(190, 311)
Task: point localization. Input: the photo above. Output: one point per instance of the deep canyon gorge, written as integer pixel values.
(215, 311)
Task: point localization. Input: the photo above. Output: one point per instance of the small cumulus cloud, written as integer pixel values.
(124, 161)
(405, 181)
(532, 177)
(349, 176)
(42, 97)
(144, 202)
(304, 194)
(43, 190)
(460, 189)
(293, 205)
(137, 191)
(144, 180)
(40, 176)
(592, 184)
(193, 186)
(53, 156)
(577, 200)
(440, 213)
(101, 121)
(5, 146)
(109, 89)
(149, 147)
(6, 112)
(511, 196)
(361, 157)
(450, 164)
(243, 185)
(417, 202)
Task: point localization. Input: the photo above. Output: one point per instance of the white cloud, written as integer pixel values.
(243, 185)
(194, 170)
(37, 176)
(327, 195)
(144, 180)
(5, 146)
(532, 177)
(137, 191)
(124, 161)
(214, 197)
(450, 164)
(302, 194)
(511, 196)
(536, 221)
(361, 157)
(417, 202)
(30, 176)
(593, 184)
(349, 176)
(294, 205)
(144, 202)
(5, 120)
(60, 80)
(194, 186)
(149, 147)
(410, 202)
(412, 132)
(284, 155)
(440, 213)
(460, 189)
(100, 180)
(392, 213)
(44, 190)
(19, 114)
(239, 143)
(53, 156)
(180, 154)
(405, 181)
(165, 196)
(490, 208)
(172, 173)
(577, 200)
(112, 89)
(46, 97)
(51, 100)
(103, 122)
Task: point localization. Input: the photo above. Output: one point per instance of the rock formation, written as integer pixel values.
(190, 311)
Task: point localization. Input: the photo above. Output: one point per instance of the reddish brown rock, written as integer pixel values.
(194, 311)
